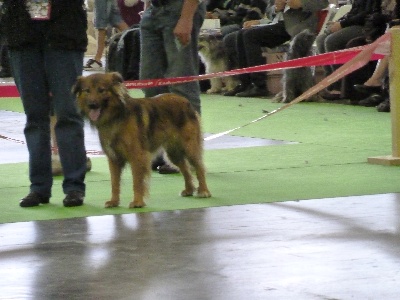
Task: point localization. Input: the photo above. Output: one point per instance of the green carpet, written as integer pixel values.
(328, 160)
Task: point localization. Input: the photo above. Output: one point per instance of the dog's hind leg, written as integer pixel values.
(176, 156)
(194, 156)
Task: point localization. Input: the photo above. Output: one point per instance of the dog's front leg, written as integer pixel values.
(140, 167)
(115, 171)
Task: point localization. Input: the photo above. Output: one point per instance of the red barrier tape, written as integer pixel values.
(352, 59)
(367, 54)
(337, 57)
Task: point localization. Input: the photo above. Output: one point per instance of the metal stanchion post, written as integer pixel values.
(394, 92)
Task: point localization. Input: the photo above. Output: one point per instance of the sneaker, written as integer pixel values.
(73, 198)
(254, 91)
(33, 199)
(93, 65)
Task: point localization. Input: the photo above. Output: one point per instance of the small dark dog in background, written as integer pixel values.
(298, 80)
(212, 53)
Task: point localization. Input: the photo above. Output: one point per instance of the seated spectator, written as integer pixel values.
(376, 87)
(234, 13)
(338, 35)
(291, 17)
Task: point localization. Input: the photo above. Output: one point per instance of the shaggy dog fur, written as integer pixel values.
(298, 80)
(133, 130)
(212, 53)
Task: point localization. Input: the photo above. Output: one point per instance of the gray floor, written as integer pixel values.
(344, 248)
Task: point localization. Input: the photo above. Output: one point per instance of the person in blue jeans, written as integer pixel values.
(169, 48)
(46, 54)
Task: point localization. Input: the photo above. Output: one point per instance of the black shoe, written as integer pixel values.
(33, 199)
(5, 74)
(73, 198)
(367, 90)
(330, 96)
(371, 101)
(254, 91)
(167, 169)
(238, 89)
(384, 106)
(157, 162)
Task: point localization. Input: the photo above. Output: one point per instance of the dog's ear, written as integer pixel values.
(77, 87)
(118, 86)
(116, 77)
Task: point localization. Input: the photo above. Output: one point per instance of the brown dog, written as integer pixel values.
(133, 130)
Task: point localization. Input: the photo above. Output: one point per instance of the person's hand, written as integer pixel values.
(295, 4)
(183, 31)
(250, 23)
(335, 26)
(210, 15)
(280, 5)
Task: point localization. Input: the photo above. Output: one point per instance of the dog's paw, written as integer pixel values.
(137, 204)
(187, 193)
(213, 91)
(203, 194)
(278, 97)
(111, 203)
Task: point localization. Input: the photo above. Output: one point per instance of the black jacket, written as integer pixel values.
(66, 29)
(360, 9)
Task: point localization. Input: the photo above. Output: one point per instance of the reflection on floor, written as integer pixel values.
(344, 248)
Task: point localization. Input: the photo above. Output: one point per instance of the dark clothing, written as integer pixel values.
(246, 46)
(66, 29)
(130, 14)
(46, 58)
(359, 11)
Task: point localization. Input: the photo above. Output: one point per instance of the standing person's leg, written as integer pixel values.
(69, 126)
(153, 61)
(185, 62)
(4, 60)
(30, 77)
(102, 10)
(116, 18)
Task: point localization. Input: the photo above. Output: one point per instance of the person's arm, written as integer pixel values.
(295, 4)
(183, 28)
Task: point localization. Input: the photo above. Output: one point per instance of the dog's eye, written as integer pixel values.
(101, 90)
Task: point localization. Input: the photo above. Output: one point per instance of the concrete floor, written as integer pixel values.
(343, 248)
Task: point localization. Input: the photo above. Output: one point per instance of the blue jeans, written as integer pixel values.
(106, 12)
(39, 71)
(160, 56)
